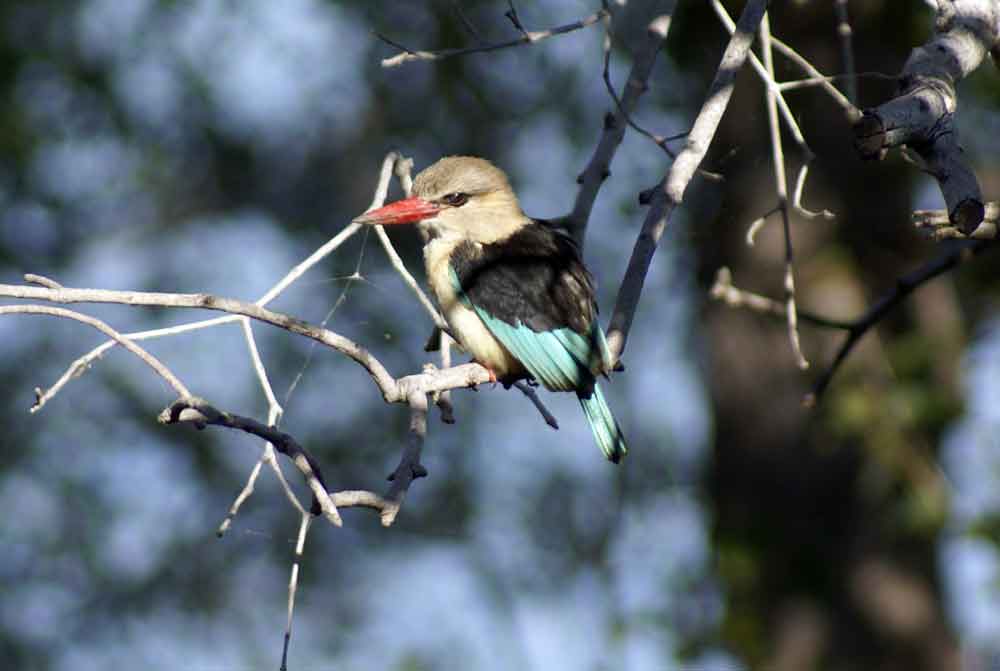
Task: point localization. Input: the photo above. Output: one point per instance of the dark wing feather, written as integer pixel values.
(535, 278)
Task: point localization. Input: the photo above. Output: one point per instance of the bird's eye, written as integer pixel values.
(456, 199)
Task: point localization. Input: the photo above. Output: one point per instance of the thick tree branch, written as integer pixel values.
(922, 116)
(937, 224)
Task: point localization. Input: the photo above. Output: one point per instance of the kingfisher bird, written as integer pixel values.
(513, 289)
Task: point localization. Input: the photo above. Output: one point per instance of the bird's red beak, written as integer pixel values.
(404, 211)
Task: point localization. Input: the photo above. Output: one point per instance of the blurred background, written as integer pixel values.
(210, 145)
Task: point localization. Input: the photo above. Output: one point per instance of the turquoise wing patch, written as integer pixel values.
(559, 359)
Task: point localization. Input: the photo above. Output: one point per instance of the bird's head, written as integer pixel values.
(459, 196)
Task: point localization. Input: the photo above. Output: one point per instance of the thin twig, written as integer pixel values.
(515, 19)
(210, 302)
(400, 268)
(810, 82)
(402, 168)
(408, 54)
(274, 414)
(774, 88)
(41, 280)
(846, 50)
(754, 228)
(723, 290)
(293, 583)
(532, 395)
(905, 285)
(800, 183)
(82, 364)
(469, 26)
(158, 367)
(659, 140)
(781, 187)
(850, 111)
(766, 76)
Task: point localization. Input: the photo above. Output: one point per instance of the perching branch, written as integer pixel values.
(669, 195)
(527, 37)
(411, 389)
(922, 116)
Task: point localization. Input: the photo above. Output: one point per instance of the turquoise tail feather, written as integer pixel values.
(607, 433)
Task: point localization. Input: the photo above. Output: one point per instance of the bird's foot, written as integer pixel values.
(493, 375)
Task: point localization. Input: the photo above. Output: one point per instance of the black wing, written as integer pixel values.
(534, 277)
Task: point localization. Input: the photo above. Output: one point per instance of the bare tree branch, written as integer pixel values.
(293, 583)
(158, 367)
(724, 290)
(781, 187)
(598, 168)
(81, 365)
(937, 224)
(850, 111)
(905, 285)
(922, 116)
(211, 302)
(200, 413)
(659, 140)
(409, 468)
(774, 89)
(667, 197)
(526, 37)
(846, 50)
(393, 390)
(532, 395)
